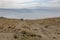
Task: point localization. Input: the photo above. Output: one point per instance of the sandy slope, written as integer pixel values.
(40, 29)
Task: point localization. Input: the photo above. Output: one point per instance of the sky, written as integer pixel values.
(28, 3)
(48, 8)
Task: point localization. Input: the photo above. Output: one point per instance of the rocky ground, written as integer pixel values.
(20, 29)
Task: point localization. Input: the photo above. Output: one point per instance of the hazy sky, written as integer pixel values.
(28, 3)
(43, 13)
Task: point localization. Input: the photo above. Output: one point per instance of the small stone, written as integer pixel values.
(15, 37)
(46, 26)
(54, 37)
(58, 33)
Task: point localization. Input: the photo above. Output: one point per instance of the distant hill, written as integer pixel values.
(33, 9)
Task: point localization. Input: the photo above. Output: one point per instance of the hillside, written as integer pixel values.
(39, 29)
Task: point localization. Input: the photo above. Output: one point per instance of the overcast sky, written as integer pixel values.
(28, 3)
(43, 13)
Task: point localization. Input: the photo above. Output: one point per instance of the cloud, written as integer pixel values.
(28, 3)
(48, 3)
(12, 3)
(55, 3)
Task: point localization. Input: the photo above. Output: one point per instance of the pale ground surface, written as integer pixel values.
(44, 29)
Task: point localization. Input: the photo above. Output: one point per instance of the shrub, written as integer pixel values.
(1, 17)
(21, 19)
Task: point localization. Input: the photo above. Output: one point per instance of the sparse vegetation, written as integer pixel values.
(21, 19)
(43, 29)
